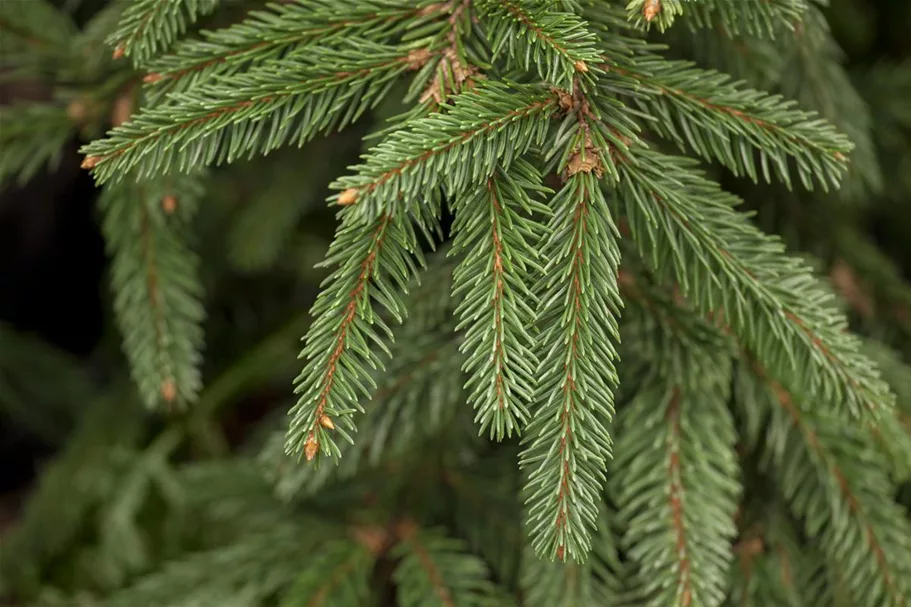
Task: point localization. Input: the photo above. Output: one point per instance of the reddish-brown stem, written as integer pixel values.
(676, 499)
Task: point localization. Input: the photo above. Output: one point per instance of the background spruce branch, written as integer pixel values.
(155, 284)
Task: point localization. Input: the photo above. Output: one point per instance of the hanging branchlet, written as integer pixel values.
(496, 232)
(567, 443)
(155, 284)
(675, 464)
(347, 335)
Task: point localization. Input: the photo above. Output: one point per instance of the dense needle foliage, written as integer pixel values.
(598, 317)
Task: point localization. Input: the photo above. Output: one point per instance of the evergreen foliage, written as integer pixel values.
(569, 344)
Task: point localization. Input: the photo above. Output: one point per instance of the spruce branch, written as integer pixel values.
(686, 228)
(252, 569)
(675, 474)
(557, 43)
(155, 284)
(661, 13)
(567, 442)
(279, 30)
(450, 71)
(812, 73)
(773, 568)
(36, 38)
(743, 129)
(336, 575)
(840, 490)
(418, 393)
(675, 482)
(486, 127)
(594, 583)
(31, 138)
(763, 18)
(148, 27)
(497, 237)
(291, 100)
(374, 263)
(437, 571)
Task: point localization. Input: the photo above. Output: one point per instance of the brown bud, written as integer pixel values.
(561, 552)
(119, 52)
(840, 157)
(651, 9)
(169, 204)
(310, 448)
(581, 66)
(168, 390)
(326, 422)
(89, 162)
(347, 197)
(152, 77)
(76, 110)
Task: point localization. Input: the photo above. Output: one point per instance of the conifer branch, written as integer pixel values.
(675, 475)
(486, 127)
(436, 571)
(452, 71)
(148, 27)
(812, 449)
(156, 289)
(37, 24)
(771, 301)
(567, 443)
(555, 42)
(558, 584)
(289, 101)
(812, 74)
(743, 129)
(253, 568)
(337, 575)
(763, 18)
(374, 263)
(31, 137)
(494, 230)
(278, 31)
(676, 487)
